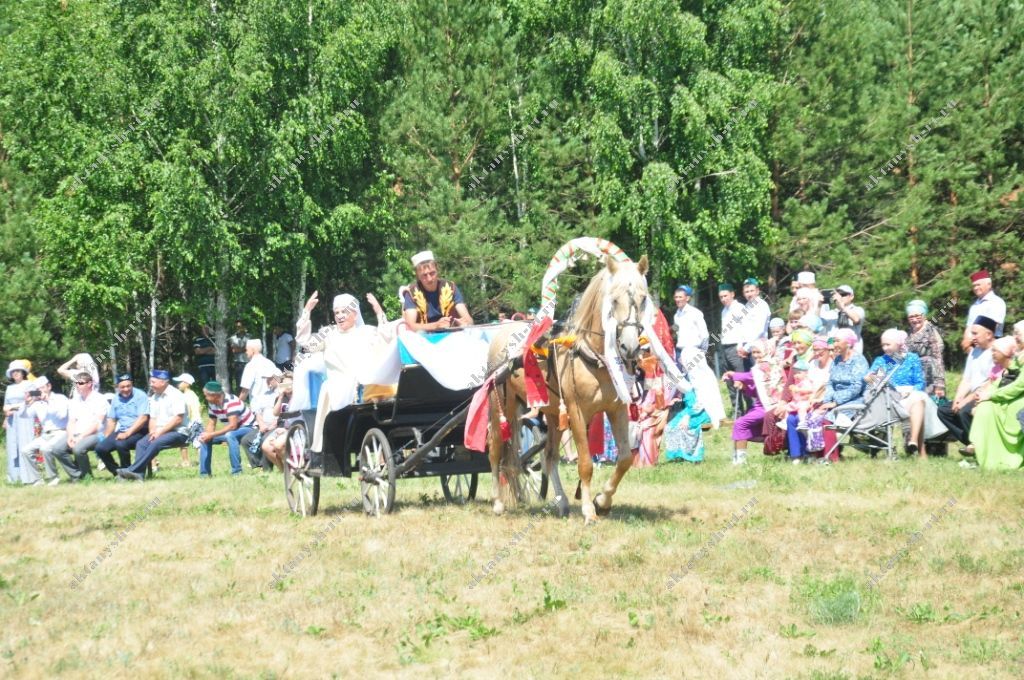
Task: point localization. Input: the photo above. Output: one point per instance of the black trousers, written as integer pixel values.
(734, 362)
(959, 424)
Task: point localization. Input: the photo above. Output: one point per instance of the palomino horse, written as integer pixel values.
(581, 381)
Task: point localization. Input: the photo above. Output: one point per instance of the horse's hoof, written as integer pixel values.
(603, 512)
(599, 505)
(499, 508)
(562, 511)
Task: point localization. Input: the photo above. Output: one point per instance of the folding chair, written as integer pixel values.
(873, 424)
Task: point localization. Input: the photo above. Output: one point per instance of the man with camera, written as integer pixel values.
(845, 314)
(51, 410)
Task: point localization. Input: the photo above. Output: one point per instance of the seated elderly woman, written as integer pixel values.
(907, 377)
(996, 430)
(350, 349)
(845, 385)
(925, 341)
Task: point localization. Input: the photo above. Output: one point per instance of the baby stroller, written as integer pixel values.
(874, 425)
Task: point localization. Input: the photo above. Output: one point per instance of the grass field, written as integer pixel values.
(866, 569)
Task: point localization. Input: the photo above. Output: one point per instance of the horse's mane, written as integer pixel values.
(587, 314)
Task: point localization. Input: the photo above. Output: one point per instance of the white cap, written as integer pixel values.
(185, 377)
(421, 257)
(40, 382)
(805, 278)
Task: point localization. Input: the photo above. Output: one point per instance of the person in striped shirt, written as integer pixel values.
(229, 421)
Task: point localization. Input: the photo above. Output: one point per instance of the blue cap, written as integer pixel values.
(123, 377)
(686, 289)
(160, 373)
(751, 282)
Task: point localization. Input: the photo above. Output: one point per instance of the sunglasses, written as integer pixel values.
(83, 382)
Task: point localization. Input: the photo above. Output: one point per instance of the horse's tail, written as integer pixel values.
(509, 488)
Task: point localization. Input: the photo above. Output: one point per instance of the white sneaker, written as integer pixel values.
(53, 482)
(798, 461)
(968, 465)
(739, 458)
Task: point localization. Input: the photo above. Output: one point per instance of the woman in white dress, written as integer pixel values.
(348, 350)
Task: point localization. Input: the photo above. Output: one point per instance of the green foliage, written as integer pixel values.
(225, 159)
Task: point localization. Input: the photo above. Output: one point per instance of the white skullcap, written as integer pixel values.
(805, 278)
(40, 382)
(421, 257)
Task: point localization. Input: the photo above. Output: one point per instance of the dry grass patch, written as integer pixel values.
(784, 590)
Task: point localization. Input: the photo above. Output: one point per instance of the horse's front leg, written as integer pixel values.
(584, 464)
(620, 429)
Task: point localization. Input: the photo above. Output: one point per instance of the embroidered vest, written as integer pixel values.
(445, 300)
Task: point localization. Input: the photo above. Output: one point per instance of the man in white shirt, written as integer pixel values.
(986, 304)
(51, 410)
(86, 412)
(691, 354)
(257, 365)
(733, 317)
(755, 323)
(167, 426)
(959, 415)
(284, 348)
(807, 287)
(691, 329)
(262, 406)
(844, 315)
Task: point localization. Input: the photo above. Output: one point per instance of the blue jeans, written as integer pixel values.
(797, 439)
(146, 450)
(232, 438)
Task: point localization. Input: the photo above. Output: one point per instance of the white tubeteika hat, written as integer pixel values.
(421, 257)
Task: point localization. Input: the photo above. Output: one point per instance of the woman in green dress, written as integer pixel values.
(996, 432)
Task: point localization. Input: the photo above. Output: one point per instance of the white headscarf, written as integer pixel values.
(345, 300)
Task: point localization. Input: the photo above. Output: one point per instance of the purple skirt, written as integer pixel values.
(750, 425)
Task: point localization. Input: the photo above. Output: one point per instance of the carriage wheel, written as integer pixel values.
(535, 480)
(459, 489)
(300, 490)
(376, 474)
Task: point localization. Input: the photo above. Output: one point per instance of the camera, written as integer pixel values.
(35, 393)
(827, 294)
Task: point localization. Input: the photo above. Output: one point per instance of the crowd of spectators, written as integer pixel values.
(799, 382)
(795, 380)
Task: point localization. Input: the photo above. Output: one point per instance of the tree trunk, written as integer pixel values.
(113, 350)
(220, 336)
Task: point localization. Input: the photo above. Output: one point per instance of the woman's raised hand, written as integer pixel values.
(311, 302)
(374, 305)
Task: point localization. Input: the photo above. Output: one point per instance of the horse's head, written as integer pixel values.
(627, 292)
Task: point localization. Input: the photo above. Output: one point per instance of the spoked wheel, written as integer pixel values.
(376, 474)
(459, 489)
(300, 490)
(535, 480)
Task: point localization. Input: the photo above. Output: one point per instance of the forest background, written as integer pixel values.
(169, 163)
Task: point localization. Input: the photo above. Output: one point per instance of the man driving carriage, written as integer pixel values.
(431, 303)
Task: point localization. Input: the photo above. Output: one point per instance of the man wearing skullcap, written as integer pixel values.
(691, 354)
(431, 303)
(733, 317)
(167, 426)
(755, 323)
(808, 288)
(986, 303)
(959, 415)
(126, 424)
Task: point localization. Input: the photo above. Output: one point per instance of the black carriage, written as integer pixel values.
(416, 433)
